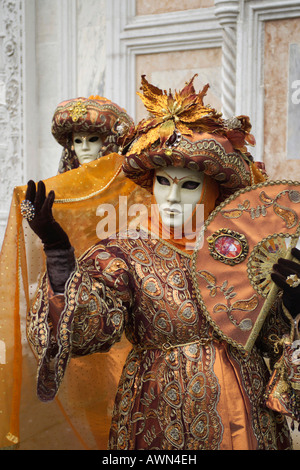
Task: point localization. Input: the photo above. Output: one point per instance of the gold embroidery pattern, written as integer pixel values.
(288, 215)
(37, 326)
(245, 305)
(269, 429)
(293, 195)
(154, 416)
(206, 155)
(217, 159)
(237, 193)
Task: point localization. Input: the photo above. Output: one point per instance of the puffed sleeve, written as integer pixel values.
(89, 317)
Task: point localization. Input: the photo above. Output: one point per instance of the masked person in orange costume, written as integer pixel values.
(87, 129)
(183, 386)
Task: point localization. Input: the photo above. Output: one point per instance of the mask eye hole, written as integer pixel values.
(162, 180)
(94, 138)
(78, 140)
(190, 185)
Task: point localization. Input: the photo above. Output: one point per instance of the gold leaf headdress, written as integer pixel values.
(185, 112)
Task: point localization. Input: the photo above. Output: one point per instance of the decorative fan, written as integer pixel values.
(261, 262)
(233, 258)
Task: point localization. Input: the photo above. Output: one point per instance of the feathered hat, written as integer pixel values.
(182, 132)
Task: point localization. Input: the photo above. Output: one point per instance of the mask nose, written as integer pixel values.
(174, 194)
(85, 144)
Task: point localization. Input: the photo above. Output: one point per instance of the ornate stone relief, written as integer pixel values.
(11, 154)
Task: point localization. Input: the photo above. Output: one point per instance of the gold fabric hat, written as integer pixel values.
(181, 131)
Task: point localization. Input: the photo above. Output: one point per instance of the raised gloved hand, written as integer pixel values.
(286, 274)
(37, 209)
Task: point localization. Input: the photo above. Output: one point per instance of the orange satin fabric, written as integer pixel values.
(233, 406)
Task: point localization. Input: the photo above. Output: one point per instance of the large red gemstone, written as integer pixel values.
(228, 246)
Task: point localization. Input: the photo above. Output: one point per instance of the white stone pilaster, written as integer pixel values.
(227, 12)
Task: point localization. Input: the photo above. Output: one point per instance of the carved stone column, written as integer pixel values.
(11, 12)
(227, 12)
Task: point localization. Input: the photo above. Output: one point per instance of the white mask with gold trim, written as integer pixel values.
(177, 192)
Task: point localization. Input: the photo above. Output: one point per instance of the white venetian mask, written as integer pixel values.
(87, 146)
(177, 192)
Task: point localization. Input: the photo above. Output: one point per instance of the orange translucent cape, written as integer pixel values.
(78, 193)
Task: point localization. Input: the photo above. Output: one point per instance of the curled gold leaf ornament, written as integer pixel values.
(287, 214)
(182, 111)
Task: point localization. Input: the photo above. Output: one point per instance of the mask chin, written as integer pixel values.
(172, 216)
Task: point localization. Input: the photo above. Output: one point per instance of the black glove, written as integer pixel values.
(283, 269)
(43, 222)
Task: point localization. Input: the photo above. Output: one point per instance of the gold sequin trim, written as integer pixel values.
(77, 111)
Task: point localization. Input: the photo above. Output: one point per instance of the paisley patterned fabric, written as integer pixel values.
(181, 386)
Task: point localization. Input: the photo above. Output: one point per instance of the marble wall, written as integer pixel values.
(70, 62)
(152, 7)
(293, 121)
(11, 101)
(173, 69)
(48, 86)
(91, 51)
(281, 75)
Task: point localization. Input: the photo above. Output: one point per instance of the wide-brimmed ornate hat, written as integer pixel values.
(182, 132)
